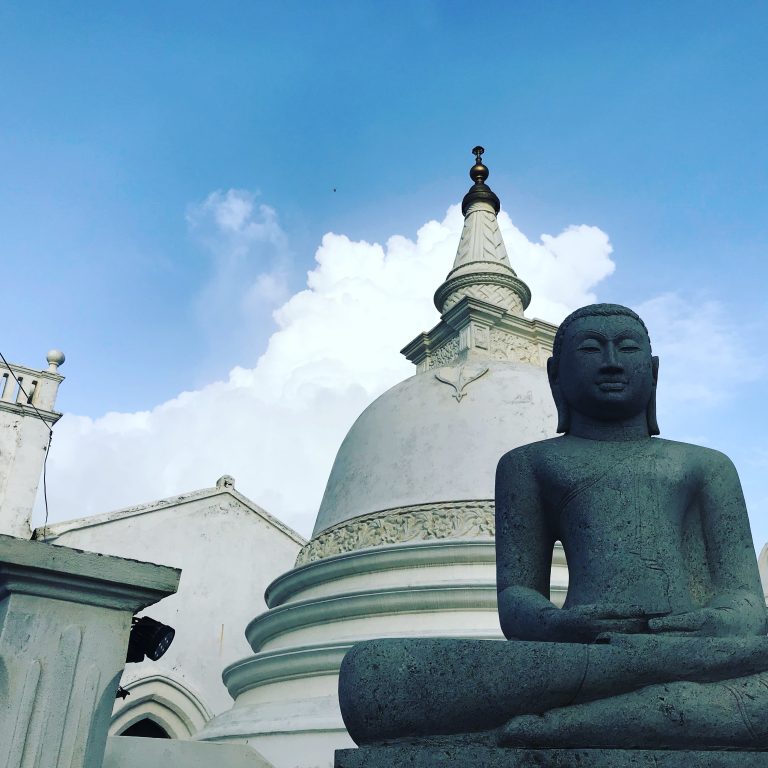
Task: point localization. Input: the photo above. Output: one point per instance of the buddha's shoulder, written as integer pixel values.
(533, 453)
(690, 454)
(555, 450)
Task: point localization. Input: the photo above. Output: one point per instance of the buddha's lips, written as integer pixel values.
(612, 385)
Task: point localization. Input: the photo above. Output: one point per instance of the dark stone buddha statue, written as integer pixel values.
(661, 641)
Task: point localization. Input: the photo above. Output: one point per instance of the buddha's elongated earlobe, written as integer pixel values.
(563, 412)
(653, 424)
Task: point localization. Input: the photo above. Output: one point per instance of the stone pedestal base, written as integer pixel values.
(445, 756)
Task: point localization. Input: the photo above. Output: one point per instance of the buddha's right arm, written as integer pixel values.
(524, 545)
(525, 614)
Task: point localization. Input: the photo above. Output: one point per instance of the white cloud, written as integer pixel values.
(703, 354)
(276, 427)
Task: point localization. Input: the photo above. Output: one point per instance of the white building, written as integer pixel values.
(229, 549)
(65, 613)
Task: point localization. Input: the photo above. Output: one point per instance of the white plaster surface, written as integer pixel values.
(65, 617)
(229, 550)
(23, 441)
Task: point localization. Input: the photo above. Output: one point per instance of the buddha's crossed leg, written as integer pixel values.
(727, 714)
(533, 692)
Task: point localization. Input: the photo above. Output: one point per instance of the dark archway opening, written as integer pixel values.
(147, 728)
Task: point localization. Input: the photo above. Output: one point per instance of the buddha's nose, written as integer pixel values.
(611, 358)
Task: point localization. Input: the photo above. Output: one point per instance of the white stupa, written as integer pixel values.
(403, 543)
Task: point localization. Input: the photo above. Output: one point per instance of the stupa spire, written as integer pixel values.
(481, 268)
(481, 301)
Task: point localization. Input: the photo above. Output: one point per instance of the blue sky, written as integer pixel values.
(117, 124)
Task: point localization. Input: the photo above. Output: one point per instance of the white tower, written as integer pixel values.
(27, 398)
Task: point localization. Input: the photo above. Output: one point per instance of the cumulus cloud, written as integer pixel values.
(249, 258)
(561, 271)
(276, 427)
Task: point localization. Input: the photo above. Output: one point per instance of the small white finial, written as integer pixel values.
(225, 481)
(55, 358)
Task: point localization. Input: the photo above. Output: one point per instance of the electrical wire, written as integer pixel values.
(50, 436)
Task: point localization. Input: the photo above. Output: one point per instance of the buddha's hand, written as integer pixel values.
(586, 623)
(739, 618)
(705, 622)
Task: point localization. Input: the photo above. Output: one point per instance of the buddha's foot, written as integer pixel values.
(732, 715)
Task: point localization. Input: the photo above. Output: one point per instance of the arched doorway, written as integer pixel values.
(147, 728)
(166, 703)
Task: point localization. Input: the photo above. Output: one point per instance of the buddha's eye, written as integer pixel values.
(629, 346)
(589, 347)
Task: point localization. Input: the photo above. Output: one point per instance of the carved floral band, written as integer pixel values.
(422, 522)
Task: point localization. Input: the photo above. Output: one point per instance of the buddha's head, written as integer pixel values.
(602, 367)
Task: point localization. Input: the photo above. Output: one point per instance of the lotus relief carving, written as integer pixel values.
(460, 377)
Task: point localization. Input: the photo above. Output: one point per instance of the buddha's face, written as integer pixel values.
(606, 370)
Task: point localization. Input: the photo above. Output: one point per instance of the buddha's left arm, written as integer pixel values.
(730, 549)
(737, 606)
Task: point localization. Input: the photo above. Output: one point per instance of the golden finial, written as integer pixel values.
(480, 191)
(478, 172)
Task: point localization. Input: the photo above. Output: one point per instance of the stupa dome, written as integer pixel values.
(420, 444)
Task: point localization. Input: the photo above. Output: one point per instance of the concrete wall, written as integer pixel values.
(124, 752)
